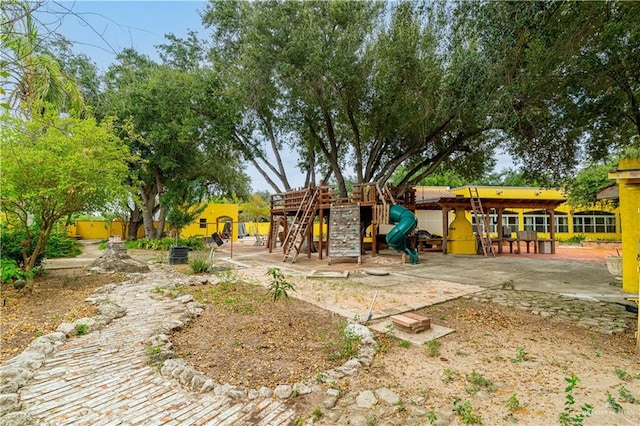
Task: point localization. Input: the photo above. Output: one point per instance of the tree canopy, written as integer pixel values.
(54, 166)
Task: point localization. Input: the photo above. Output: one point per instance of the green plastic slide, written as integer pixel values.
(397, 237)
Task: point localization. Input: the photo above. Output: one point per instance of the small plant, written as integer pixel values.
(432, 347)
(389, 329)
(199, 265)
(346, 348)
(477, 382)
(465, 412)
(404, 344)
(448, 375)
(622, 375)
(569, 417)
(626, 395)
(153, 350)
(612, 403)
(279, 286)
(461, 353)
(82, 329)
(521, 355)
(316, 414)
(371, 421)
(432, 418)
(513, 404)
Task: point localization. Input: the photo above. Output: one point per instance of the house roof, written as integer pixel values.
(457, 198)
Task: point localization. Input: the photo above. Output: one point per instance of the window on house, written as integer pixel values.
(594, 221)
(539, 221)
(203, 223)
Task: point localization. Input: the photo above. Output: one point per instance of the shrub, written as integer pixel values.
(199, 265)
(194, 243)
(14, 240)
(11, 271)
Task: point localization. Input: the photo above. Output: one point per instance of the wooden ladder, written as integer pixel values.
(482, 222)
(301, 221)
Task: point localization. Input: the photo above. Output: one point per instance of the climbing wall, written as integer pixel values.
(344, 234)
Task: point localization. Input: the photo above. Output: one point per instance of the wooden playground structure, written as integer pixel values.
(294, 213)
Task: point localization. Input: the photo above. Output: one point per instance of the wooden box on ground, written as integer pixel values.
(410, 322)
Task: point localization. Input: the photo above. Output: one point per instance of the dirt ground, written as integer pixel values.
(510, 365)
(504, 365)
(58, 297)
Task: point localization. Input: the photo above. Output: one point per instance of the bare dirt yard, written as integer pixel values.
(500, 366)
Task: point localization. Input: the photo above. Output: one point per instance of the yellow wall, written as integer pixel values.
(97, 229)
(628, 178)
(205, 224)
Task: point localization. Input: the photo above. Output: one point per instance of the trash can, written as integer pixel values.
(178, 255)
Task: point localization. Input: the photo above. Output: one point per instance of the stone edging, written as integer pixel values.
(17, 371)
(161, 351)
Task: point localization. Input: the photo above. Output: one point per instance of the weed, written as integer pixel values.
(371, 421)
(432, 347)
(465, 412)
(316, 413)
(513, 404)
(461, 353)
(448, 375)
(597, 354)
(389, 329)
(153, 350)
(199, 265)
(521, 355)
(477, 382)
(279, 286)
(569, 417)
(39, 333)
(626, 395)
(404, 344)
(346, 348)
(432, 418)
(188, 352)
(441, 318)
(612, 403)
(622, 375)
(82, 329)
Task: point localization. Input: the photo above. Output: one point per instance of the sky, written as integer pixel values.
(101, 29)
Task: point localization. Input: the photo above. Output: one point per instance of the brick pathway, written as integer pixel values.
(103, 378)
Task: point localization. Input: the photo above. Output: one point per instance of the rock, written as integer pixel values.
(208, 386)
(18, 418)
(350, 367)
(185, 298)
(388, 396)
(9, 402)
(366, 399)
(358, 419)
(67, 328)
(111, 311)
(301, 389)
(283, 391)
(265, 392)
(116, 259)
(365, 335)
(197, 382)
(237, 393)
(222, 389)
(333, 415)
(29, 360)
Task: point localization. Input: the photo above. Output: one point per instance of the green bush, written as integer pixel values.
(194, 243)
(11, 271)
(14, 240)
